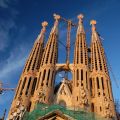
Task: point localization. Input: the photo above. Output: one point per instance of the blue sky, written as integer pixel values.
(20, 24)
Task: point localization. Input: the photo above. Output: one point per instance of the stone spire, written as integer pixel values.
(100, 84)
(80, 75)
(50, 50)
(97, 52)
(34, 59)
(49, 59)
(28, 79)
(55, 27)
(43, 30)
(80, 24)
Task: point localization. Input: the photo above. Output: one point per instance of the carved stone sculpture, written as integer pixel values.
(108, 113)
(83, 100)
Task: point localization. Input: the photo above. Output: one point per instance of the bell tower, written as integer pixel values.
(80, 67)
(100, 85)
(28, 79)
(47, 70)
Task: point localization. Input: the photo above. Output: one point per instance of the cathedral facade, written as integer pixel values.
(90, 87)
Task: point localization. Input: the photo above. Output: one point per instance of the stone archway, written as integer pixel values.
(62, 68)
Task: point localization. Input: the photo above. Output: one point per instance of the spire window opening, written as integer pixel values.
(99, 58)
(92, 59)
(29, 65)
(81, 77)
(43, 78)
(108, 88)
(33, 67)
(86, 80)
(102, 83)
(92, 107)
(85, 48)
(77, 74)
(77, 98)
(100, 108)
(81, 53)
(95, 57)
(23, 85)
(98, 85)
(33, 86)
(26, 93)
(48, 76)
(91, 86)
(39, 58)
(44, 73)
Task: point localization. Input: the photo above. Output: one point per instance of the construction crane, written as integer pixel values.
(5, 89)
(69, 25)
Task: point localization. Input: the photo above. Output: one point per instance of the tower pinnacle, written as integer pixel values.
(43, 30)
(80, 17)
(44, 24)
(80, 24)
(93, 23)
(56, 17)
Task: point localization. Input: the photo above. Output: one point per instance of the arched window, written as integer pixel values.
(97, 79)
(48, 77)
(28, 85)
(43, 77)
(81, 77)
(86, 80)
(23, 85)
(102, 83)
(92, 107)
(44, 74)
(77, 74)
(91, 86)
(33, 86)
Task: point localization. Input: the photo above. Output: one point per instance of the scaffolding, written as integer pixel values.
(43, 109)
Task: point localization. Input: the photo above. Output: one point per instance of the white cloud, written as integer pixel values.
(8, 23)
(15, 61)
(5, 27)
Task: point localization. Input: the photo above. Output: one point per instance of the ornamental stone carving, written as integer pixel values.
(40, 96)
(83, 100)
(108, 112)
